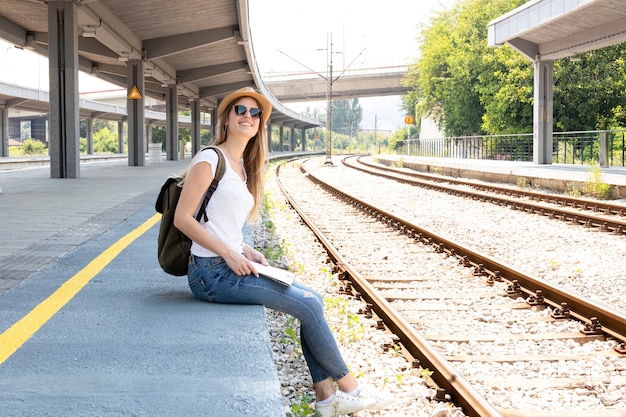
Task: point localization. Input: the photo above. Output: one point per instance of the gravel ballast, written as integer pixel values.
(585, 261)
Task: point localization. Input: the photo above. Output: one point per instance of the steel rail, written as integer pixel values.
(597, 319)
(446, 376)
(589, 220)
(597, 206)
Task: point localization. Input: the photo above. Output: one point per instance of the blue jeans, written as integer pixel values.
(211, 279)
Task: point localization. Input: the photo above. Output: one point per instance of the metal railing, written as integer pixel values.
(599, 147)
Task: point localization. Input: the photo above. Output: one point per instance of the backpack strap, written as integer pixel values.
(219, 173)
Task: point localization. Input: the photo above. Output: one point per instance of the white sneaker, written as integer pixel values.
(342, 404)
(368, 399)
(378, 398)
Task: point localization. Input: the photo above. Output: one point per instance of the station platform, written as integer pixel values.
(557, 177)
(89, 323)
(91, 326)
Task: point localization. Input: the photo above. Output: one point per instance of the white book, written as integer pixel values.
(279, 275)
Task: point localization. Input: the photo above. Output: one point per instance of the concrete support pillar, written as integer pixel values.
(135, 108)
(195, 126)
(292, 135)
(148, 136)
(604, 149)
(303, 130)
(4, 132)
(269, 136)
(280, 140)
(542, 112)
(120, 136)
(89, 123)
(64, 147)
(171, 123)
(213, 123)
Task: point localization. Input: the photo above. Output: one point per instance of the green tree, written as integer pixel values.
(158, 134)
(104, 141)
(398, 139)
(590, 93)
(506, 92)
(454, 54)
(347, 116)
(98, 124)
(468, 88)
(184, 134)
(33, 147)
(205, 137)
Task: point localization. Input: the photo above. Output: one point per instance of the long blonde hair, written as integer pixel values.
(255, 158)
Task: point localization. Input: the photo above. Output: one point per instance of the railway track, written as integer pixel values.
(605, 216)
(467, 317)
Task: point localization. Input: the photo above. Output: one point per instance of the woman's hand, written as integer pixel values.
(254, 255)
(238, 263)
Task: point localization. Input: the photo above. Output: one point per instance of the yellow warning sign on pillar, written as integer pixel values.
(134, 93)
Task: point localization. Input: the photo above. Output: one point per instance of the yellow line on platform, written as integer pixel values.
(15, 336)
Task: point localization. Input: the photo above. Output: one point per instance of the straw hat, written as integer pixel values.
(266, 107)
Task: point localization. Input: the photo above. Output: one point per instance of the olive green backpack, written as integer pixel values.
(173, 245)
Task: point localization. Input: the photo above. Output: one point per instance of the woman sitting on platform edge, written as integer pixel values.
(220, 269)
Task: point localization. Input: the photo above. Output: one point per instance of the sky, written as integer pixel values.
(291, 36)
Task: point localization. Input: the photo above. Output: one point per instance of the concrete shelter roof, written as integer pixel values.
(553, 29)
(204, 47)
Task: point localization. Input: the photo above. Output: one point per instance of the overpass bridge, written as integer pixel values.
(372, 82)
(188, 58)
(29, 104)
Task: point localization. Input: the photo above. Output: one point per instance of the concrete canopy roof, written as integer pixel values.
(203, 47)
(553, 29)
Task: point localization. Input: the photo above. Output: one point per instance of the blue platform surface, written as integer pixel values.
(113, 335)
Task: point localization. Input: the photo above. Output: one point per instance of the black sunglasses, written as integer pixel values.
(241, 110)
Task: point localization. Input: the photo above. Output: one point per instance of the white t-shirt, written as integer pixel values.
(228, 208)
